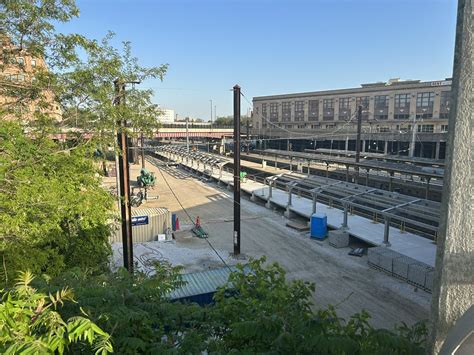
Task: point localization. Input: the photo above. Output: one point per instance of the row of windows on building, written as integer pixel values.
(21, 61)
(18, 78)
(424, 105)
(423, 128)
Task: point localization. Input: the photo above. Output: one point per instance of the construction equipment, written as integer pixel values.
(146, 178)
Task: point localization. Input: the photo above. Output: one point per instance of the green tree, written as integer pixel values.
(82, 85)
(229, 120)
(133, 309)
(224, 121)
(53, 213)
(258, 311)
(30, 323)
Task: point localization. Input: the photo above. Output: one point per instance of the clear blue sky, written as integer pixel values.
(275, 46)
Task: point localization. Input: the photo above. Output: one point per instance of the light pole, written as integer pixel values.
(211, 112)
(209, 140)
(187, 135)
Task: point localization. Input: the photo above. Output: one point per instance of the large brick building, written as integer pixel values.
(20, 95)
(399, 117)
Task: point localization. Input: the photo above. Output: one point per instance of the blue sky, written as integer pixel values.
(274, 46)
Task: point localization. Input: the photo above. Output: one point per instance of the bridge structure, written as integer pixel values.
(166, 131)
(194, 130)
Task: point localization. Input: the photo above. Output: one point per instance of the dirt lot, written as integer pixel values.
(340, 279)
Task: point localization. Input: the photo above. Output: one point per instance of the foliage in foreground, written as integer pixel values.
(258, 312)
(30, 323)
(54, 214)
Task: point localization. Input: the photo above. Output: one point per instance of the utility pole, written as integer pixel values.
(142, 142)
(411, 148)
(125, 208)
(187, 135)
(211, 112)
(236, 170)
(248, 135)
(359, 129)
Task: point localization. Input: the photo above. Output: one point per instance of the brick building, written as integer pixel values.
(20, 96)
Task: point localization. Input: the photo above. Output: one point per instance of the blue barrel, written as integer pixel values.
(319, 225)
(173, 221)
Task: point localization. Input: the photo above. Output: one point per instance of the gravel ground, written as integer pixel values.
(340, 279)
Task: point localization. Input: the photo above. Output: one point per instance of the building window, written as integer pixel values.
(363, 101)
(264, 110)
(384, 129)
(344, 103)
(402, 100)
(424, 115)
(444, 128)
(20, 60)
(33, 63)
(328, 109)
(401, 116)
(445, 98)
(344, 108)
(445, 104)
(315, 126)
(299, 110)
(425, 99)
(426, 128)
(313, 109)
(301, 126)
(15, 77)
(402, 107)
(381, 102)
(403, 129)
(381, 107)
(328, 104)
(286, 111)
(274, 112)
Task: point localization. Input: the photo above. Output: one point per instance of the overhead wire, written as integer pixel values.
(189, 216)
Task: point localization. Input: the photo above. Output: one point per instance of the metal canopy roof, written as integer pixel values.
(418, 212)
(378, 156)
(379, 165)
(206, 158)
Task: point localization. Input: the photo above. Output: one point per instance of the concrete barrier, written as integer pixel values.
(401, 265)
(338, 238)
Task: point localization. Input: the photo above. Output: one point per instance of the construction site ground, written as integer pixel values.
(340, 279)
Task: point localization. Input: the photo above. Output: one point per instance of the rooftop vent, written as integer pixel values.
(378, 83)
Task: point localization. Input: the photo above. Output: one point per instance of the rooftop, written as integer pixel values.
(392, 84)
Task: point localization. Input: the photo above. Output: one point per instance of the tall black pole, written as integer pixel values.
(248, 134)
(236, 170)
(125, 208)
(142, 142)
(359, 129)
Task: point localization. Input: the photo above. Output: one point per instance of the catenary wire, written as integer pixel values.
(189, 216)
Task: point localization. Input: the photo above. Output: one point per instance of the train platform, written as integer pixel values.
(409, 244)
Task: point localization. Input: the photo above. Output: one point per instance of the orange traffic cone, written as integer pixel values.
(177, 224)
(198, 222)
